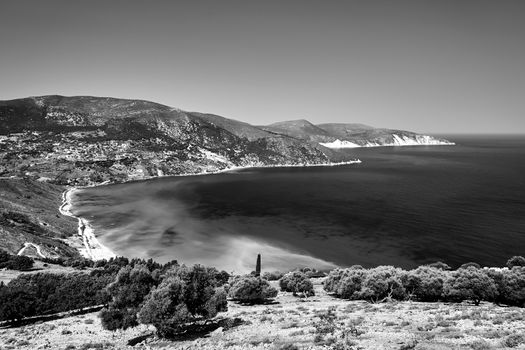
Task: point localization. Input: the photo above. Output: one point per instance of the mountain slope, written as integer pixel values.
(84, 140)
(87, 140)
(337, 135)
(301, 129)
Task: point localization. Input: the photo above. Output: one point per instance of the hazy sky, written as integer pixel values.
(428, 66)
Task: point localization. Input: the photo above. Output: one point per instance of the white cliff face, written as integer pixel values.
(398, 140)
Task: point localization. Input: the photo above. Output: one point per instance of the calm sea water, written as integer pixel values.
(403, 206)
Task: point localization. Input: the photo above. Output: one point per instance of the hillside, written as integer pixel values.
(341, 135)
(89, 140)
(294, 323)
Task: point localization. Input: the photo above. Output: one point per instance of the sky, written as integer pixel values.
(442, 66)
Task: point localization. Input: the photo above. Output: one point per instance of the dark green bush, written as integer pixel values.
(4, 256)
(469, 284)
(15, 262)
(470, 264)
(516, 261)
(425, 283)
(297, 282)
(113, 319)
(513, 286)
(249, 289)
(383, 282)
(49, 293)
(351, 283)
(439, 265)
(332, 282)
(128, 291)
(182, 297)
(272, 276)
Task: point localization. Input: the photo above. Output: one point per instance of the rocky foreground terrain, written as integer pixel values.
(319, 322)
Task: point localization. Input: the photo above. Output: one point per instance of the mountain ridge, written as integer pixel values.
(83, 140)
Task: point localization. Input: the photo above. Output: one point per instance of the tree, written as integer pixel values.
(351, 283)
(469, 284)
(250, 289)
(383, 282)
(297, 282)
(440, 265)
(4, 256)
(332, 281)
(128, 291)
(425, 283)
(470, 264)
(513, 282)
(167, 306)
(516, 261)
(16, 262)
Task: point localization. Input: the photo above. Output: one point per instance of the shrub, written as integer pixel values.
(331, 283)
(297, 282)
(496, 275)
(470, 264)
(170, 306)
(249, 289)
(439, 265)
(15, 262)
(4, 256)
(272, 276)
(469, 284)
(425, 283)
(513, 286)
(113, 319)
(47, 293)
(516, 261)
(128, 291)
(383, 282)
(350, 284)
(514, 340)
(332, 280)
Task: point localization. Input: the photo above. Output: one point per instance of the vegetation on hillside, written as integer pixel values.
(173, 297)
(430, 283)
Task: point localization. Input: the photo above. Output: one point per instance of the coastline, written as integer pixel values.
(95, 250)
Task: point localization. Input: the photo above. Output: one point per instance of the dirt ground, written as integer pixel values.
(320, 322)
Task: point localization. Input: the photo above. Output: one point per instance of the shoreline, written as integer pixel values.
(95, 250)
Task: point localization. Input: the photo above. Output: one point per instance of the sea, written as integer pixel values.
(402, 206)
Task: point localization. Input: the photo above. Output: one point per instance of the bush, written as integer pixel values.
(249, 289)
(48, 293)
(15, 262)
(496, 275)
(425, 283)
(514, 340)
(439, 265)
(113, 319)
(4, 256)
(469, 284)
(516, 261)
(470, 264)
(383, 282)
(331, 283)
(350, 284)
(297, 282)
(170, 306)
(513, 286)
(128, 291)
(272, 276)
